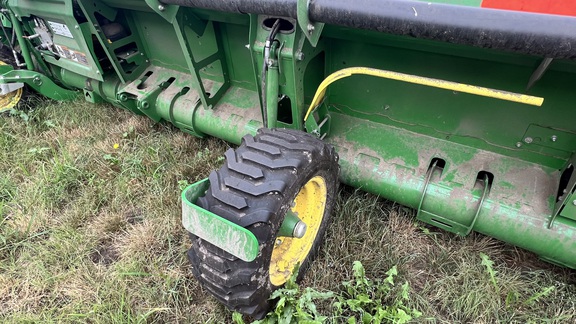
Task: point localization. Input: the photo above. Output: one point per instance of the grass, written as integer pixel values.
(90, 231)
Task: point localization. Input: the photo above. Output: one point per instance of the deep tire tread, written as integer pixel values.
(249, 190)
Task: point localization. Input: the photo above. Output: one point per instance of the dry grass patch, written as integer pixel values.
(91, 232)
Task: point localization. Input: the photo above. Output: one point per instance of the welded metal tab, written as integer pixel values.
(312, 30)
(214, 229)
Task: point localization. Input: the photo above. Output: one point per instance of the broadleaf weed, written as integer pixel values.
(361, 300)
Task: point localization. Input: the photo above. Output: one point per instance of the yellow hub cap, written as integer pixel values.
(309, 205)
(10, 100)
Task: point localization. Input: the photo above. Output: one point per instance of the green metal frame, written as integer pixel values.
(464, 162)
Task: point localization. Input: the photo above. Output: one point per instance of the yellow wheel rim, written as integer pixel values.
(10, 100)
(309, 205)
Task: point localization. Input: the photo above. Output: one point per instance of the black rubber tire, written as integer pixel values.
(255, 189)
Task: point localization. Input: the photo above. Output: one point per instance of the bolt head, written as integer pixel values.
(528, 140)
(554, 138)
(299, 230)
(311, 28)
(574, 202)
(161, 7)
(300, 56)
(518, 144)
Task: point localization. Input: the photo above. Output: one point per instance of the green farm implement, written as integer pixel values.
(459, 109)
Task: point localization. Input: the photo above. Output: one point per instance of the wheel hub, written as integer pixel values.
(309, 206)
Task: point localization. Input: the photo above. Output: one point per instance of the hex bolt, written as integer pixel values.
(554, 138)
(528, 140)
(574, 202)
(278, 241)
(300, 56)
(310, 28)
(76, 27)
(518, 144)
(161, 7)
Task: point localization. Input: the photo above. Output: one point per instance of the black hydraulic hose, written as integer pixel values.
(269, 41)
(551, 36)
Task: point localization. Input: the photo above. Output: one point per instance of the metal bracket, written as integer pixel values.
(310, 29)
(318, 129)
(40, 83)
(568, 196)
(167, 12)
(148, 100)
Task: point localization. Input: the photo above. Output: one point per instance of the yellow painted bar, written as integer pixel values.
(436, 83)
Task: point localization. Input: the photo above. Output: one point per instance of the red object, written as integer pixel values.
(556, 7)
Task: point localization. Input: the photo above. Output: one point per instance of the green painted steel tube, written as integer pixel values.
(272, 95)
(23, 44)
(517, 209)
(503, 222)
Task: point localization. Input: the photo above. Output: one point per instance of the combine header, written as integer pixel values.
(460, 109)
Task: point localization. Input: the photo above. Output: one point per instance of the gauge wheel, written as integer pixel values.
(268, 175)
(9, 100)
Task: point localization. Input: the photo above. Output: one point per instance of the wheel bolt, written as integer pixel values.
(299, 229)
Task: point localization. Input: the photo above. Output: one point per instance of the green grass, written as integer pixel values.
(90, 231)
